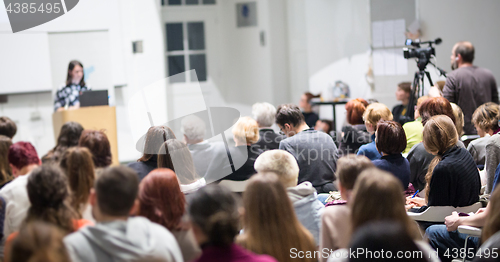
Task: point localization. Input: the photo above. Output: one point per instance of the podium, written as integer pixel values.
(96, 118)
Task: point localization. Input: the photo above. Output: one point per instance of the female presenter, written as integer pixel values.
(68, 96)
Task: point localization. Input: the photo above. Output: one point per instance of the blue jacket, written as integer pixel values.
(370, 150)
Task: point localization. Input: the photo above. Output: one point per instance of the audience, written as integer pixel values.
(116, 236)
(355, 134)
(399, 111)
(459, 119)
(490, 235)
(372, 115)
(315, 151)
(335, 222)
(39, 242)
(452, 178)
(162, 202)
(5, 170)
(7, 127)
(78, 166)
(305, 104)
(176, 156)
(68, 137)
(155, 137)
(418, 157)
(485, 120)
(323, 125)
(492, 159)
(98, 144)
(264, 228)
(264, 114)
(308, 208)
(213, 211)
(413, 129)
(391, 141)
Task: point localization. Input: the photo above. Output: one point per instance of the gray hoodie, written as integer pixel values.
(307, 208)
(136, 239)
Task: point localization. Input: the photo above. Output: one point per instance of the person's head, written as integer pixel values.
(160, 198)
(459, 118)
(390, 138)
(378, 196)
(78, 166)
(49, 197)
(264, 113)
(114, 194)
(403, 92)
(485, 118)
(374, 113)
(462, 53)
(245, 131)
(266, 207)
(22, 158)
(348, 169)
(280, 162)
(324, 125)
(213, 212)
(7, 127)
(156, 136)
(305, 101)
(354, 111)
(492, 223)
(175, 155)
(98, 144)
(5, 170)
(68, 137)
(75, 73)
(289, 118)
(387, 237)
(435, 106)
(193, 128)
(39, 241)
(420, 100)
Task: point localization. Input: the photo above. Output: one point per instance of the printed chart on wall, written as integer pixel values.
(388, 37)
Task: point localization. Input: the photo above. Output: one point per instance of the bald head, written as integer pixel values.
(464, 51)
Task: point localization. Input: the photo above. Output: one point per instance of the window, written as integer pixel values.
(187, 2)
(186, 50)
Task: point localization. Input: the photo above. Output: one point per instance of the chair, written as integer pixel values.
(234, 186)
(470, 232)
(438, 213)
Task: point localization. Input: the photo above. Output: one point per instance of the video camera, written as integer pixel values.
(423, 54)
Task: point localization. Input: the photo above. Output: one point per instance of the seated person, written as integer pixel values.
(452, 178)
(492, 159)
(335, 221)
(491, 236)
(355, 134)
(459, 119)
(305, 104)
(372, 115)
(399, 111)
(303, 197)
(264, 113)
(418, 157)
(323, 125)
(118, 237)
(7, 127)
(413, 129)
(315, 151)
(98, 144)
(485, 120)
(391, 141)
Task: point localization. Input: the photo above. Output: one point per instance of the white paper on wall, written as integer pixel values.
(388, 33)
(389, 62)
(378, 62)
(378, 34)
(399, 32)
(401, 62)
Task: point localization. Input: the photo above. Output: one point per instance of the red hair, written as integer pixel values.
(22, 154)
(435, 106)
(355, 109)
(161, 199)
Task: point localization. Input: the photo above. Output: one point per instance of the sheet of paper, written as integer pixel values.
(389, 62)
(401, 63)
(378, 62)
(388, 33)
(399, 32)
(377, 34)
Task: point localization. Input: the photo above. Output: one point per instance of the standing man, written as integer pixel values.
(315, 151)
(468, 86)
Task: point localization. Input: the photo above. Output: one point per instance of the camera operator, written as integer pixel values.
(468, 86)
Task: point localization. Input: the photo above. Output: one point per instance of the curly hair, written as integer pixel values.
(98, 144)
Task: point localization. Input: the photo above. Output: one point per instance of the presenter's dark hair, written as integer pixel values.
(156, 136)
(289, 114)
(98, 144)
(7, 127)
(116, 190)
(69, 77)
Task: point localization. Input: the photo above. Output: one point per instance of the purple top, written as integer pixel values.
(233, 253)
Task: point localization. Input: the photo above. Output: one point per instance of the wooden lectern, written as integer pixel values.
(95, 117)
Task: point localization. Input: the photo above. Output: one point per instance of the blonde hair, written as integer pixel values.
(376, 112)
(459, 118)
(486, 116)
(246, 130)
(378, 196)
(280, 162)
(439, 135)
